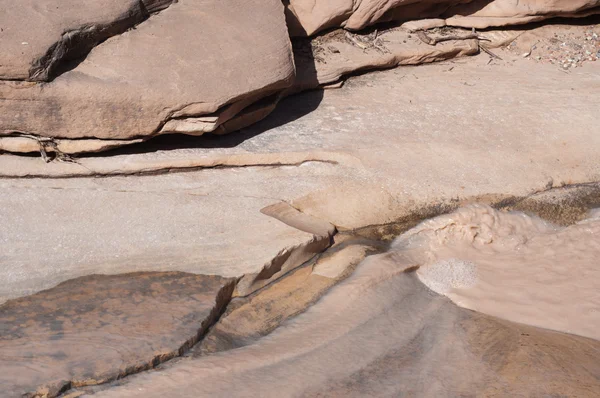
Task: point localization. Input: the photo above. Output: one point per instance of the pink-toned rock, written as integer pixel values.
(190, 68)
(38, 36)
(311, 16)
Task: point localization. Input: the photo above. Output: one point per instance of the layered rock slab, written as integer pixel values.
(198, 62)
(308, 17)
(395, 141)
(247, 319)
(98, 328)
(319, 62)
(485, 14)
(330, 57)
(148, 224)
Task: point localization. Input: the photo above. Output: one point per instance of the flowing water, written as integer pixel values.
(381, 332)
(512, 265)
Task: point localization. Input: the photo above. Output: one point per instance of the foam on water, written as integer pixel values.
(512, 265)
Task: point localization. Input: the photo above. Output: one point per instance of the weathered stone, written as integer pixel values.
(483, 14)
(99, 328)
(249, 318)
(330, 57)
(40, 38)
(389, 144)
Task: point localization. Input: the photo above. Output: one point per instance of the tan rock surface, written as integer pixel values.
(98, 328)
(328, 58)
(384, 148)
(39, 37)
(249, 318)
(120, 92)
(382, 333)
(512, 266)
(399, 141)
(484, 14)
(118, 226)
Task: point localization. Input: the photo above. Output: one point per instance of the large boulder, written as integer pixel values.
(190, 68)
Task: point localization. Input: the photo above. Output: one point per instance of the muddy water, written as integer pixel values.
(512, 265)
(382, 332)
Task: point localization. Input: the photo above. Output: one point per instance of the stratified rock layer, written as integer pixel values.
(98, 328)
(388, 144)
(308, 17)
(37, 38)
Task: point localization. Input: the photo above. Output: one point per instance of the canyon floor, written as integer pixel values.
(259, 264)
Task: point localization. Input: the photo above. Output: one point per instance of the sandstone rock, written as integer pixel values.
(33, 144)
(383, 146)
(312, 16)
(248, 319)
(39, 38)
(319, 62)
(330, 57)
(190, 68)
(484, 14)
(389, 144)
(99, 328)
(138, 83)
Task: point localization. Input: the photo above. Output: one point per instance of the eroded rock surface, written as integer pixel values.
(122, 72)
(330, 57)
(99, 328)
(373, 152)
(249, 318)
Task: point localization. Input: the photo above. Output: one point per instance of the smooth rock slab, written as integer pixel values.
(98, 328)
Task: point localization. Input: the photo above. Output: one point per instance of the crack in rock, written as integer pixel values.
(75, 44)
(100, 328)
